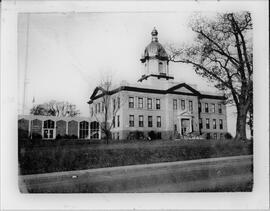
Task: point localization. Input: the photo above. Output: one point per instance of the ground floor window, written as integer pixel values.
(48, 129)
(131, 120)
(84, 129)
(141, 121)
(94, 130)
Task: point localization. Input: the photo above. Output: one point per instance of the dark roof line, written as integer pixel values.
(155, 91)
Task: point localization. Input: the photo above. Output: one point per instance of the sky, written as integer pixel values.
(63, 56)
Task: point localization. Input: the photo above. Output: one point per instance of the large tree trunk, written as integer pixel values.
(241, 123)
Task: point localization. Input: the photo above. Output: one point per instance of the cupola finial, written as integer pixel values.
(154, 34)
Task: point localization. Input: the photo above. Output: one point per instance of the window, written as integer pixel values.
(149, 103)
(102, 107)
(92, 111)
(150, 121)
(215, 136)
(183, 105)
(206, 108)
(131, 102)
(113, 122)
(114, 104)
(200, 107)
(175, 127)
(200, 123)
(207, 124)
(158, 121)
(190, 106)
(84, 129)
(48, 129)
(117, 136)
(131, 120)
(118, 102)
(95, 108)
(214, 124)
(98, 107)
(219, 109)
(220, 124)
(174, 104)
(140, 102)
(213, 108)
(157, 103)
(118, 121)
(140, 120)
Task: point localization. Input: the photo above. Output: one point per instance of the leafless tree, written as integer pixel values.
(222, 53)
(110, 107)
(55, 108)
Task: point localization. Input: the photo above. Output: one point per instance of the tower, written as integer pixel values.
(155, 61)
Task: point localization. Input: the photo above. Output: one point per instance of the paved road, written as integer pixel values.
(213, 174)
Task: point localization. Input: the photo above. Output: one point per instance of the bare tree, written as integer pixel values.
(55, 108)
(222, 53)
(110, 107)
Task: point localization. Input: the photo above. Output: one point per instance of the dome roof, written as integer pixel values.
(154, 49)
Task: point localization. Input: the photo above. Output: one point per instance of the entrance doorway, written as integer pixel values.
(185, 126)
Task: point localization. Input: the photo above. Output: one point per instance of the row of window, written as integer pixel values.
(214, 124)
(100, 107)
(141, 121)
(213, 108)
(149, 103)
(183, 105)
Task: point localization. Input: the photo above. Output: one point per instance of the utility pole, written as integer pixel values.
(26, 67)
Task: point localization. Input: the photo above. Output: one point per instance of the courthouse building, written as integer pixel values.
(158, 103)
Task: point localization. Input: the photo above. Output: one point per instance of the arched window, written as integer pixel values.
(94, 130)
(161, 68)
(48, 129)
(84, 129)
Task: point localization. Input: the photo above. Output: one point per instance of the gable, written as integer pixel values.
(183, 89)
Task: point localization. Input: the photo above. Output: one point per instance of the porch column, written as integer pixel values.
(180, 126)
(190, 124)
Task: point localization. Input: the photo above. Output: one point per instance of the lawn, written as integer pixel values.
(53, 157)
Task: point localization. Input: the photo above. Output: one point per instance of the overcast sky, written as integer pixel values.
(66, 54)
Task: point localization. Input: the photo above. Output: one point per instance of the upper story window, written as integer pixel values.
(207, 124)
(220, 124)
(118, 102)
(174, 104)
(114, 104)
(214, 124)
(206, 109)
(131, 120)
(149, 103)
(102, 107)
(113, 122)
(95, 108)
(118, 121)
(157, 103)
(219, 109)
(92, 111)
(183, 105)
(131, 102)
(213, 108)
(98, 107)
(140, 102)
(190, 106)
(140, 120)
(200, 107)
(161, 68)
(150, 121)
(158, 121)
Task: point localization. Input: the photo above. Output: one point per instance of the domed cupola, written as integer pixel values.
(155, 60)
(154, 49)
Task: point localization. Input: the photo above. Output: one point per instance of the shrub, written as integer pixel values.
(152, 135)
(228, 136)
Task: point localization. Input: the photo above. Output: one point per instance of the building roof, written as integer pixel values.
(172, 90)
